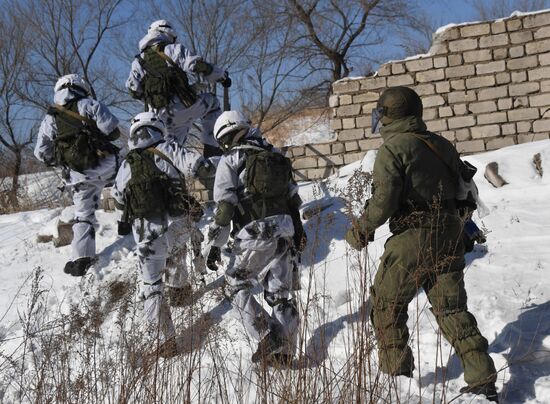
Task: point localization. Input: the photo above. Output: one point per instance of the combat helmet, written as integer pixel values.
(230, 128)
(147, 128)
(73, 82)
(163, 27)
(395, 103)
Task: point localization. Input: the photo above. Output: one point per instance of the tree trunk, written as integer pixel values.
(15, 180)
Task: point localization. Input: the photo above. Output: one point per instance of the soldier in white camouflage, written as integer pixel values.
(76, 135)
(255, 194)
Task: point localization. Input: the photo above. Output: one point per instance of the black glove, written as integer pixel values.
(214, 256)
(225, 81)
(124, 228)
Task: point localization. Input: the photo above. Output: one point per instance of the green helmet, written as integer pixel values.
(395, 103)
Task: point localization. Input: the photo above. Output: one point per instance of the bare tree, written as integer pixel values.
(69, 37)
(16, 129)
(416, 37)
(276, 76)
(340, 31)
(42, 40)
(492, 9)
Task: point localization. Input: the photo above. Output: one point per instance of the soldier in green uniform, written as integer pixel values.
(414, 186)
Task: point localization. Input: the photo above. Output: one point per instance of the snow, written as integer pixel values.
(506, 279)
(349, 78)
(516, 13)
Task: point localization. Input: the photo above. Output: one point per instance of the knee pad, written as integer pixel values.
(230, 291)
(150, 290)
(239, 274)
(280, 303)
(275, 298)
(288, 306)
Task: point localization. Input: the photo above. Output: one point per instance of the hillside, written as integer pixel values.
(69, 339)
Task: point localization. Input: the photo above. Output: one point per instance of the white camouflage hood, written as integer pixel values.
(153, 38)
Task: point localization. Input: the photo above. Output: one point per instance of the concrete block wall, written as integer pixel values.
(483, 85)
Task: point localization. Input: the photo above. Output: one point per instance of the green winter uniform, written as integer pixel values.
(164, 79)
(415, 190)
(79, 144)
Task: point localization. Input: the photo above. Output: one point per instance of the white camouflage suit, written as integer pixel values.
(162, 237)
(176, 116)
(261, 253)
(86, 186)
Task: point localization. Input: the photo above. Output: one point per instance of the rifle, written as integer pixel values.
(226, 102)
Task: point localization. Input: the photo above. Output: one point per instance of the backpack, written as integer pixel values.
(268, 174)
(466, 194)
(267, 177)
(150, 192)
(77, 144)
(145, 195)
(164, 80)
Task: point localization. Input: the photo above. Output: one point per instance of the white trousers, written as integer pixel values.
(270, 264)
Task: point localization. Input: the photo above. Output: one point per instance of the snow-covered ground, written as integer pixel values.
(506, 279)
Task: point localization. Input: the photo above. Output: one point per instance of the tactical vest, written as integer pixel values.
(77, 144)
(267, 178)
(164, 80)
(151, 193)
(145, 194)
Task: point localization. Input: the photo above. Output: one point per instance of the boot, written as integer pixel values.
(488, 390)
(178, 297)
(78, 267)
(268, 348)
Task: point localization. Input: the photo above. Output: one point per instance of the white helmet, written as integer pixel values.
(74, 82)
(155, 130)
(164, 27)
(231, 123)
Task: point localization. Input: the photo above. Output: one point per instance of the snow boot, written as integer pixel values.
(268, 348)
(488, 390)
(78, 267)
(178, 297)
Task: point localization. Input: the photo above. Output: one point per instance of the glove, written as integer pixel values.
(225, 81)
(214, 256)
(124, 228)
(356, 239)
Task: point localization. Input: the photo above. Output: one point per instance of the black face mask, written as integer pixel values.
(146, 133)
(376, 123)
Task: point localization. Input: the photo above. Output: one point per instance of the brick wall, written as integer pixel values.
(483, 86)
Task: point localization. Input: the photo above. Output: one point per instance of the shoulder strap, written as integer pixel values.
(75, 115)
(163, 156)
(167, 58)
(436, 151)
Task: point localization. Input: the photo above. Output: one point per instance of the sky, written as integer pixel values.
(442, 12)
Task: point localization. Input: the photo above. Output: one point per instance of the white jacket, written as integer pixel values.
(184, 58)
(90, 108)
(229, 186)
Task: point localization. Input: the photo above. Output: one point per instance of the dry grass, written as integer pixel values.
(95, 354)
